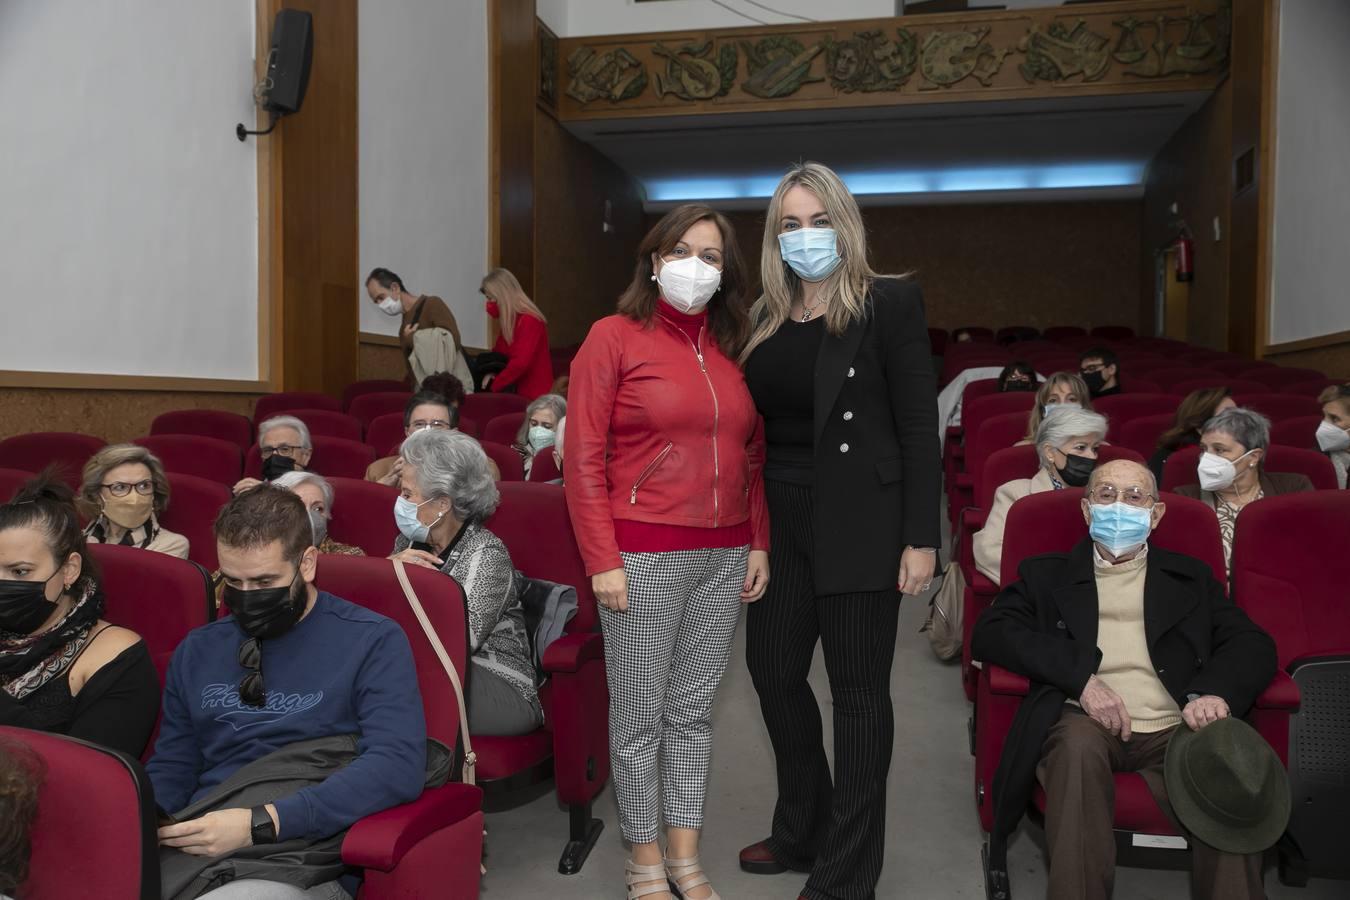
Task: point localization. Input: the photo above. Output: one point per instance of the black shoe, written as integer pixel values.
(996, 885)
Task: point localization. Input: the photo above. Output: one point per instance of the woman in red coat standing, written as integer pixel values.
(523, 340)
(666, 495)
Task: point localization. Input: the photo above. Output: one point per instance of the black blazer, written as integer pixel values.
(1045, 627)
(878, 464)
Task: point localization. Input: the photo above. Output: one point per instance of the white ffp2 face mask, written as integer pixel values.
(390, 307)
(688, 284)
(1217, 473)
(1330, 438)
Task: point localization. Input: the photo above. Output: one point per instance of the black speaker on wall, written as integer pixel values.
(288, 63)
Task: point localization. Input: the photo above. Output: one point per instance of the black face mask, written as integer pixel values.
(277, 465)
(1095, 381)
(267, 612)
(1076, 471)
(24, 605)
(1012, 385)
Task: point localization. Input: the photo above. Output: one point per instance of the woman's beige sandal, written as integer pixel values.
(645, 881)
(686, 875)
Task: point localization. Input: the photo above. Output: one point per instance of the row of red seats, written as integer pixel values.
(939, 338)
(1289, 573)
(431, 847)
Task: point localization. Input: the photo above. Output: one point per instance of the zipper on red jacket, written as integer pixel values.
(646, 473)
(703, 367)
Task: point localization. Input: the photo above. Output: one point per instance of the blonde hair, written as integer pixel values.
(502, 286)
(845, 288)
(90, 500)
(1076, 384)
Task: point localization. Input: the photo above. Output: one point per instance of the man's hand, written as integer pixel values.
(1204, 711)
(245, 484)
(756, 576)
(214, 834)
(1105, 706)
(409, 329)
(611, 589)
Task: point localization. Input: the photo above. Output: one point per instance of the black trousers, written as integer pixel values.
(836, 828)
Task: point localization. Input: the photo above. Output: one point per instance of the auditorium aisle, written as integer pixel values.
(933, 834)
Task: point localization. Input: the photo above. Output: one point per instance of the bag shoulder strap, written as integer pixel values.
(470, 758)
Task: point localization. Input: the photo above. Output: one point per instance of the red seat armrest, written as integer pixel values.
(571, 651)
(381, 840)
(953, 431)
(1001, 681)
(1281, 693)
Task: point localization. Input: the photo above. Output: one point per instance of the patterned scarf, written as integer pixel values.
(141, 536)
(28, 661)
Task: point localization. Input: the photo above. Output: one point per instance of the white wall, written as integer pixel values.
(423, 101)
(1310, 293)
(128, 211)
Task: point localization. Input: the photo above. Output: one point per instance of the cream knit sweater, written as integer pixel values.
(1126, 667)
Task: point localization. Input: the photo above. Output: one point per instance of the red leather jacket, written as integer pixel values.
(659, 431)
(529, 366)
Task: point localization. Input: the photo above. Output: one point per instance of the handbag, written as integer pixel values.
(945, 613)
(470, 758)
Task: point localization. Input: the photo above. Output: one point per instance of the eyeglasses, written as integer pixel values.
(1093, 367)
(122, 488)
(1134, 495)
(251, 685)
(422, 424)
(283, 449)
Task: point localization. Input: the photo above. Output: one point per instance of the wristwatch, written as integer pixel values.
(262, 830)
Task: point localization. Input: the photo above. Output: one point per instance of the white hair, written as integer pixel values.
(453, 465)
(558, 441)
(286, 422)
(1246, 426)
(292, 480)
(1065, 423)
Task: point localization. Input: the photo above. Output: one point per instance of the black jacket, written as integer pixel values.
(878, 464)
(1045, 627)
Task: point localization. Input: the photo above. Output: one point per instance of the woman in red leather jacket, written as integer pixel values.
(523, 339)
(664, 486)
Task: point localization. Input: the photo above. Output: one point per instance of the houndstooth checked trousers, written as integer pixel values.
(665, 657)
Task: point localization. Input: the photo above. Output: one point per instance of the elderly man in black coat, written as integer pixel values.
(1124, 644)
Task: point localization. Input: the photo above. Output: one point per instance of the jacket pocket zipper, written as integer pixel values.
(647, 472)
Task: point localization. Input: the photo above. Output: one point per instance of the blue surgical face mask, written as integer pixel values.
(1119, 527)
(541, 437)
(811, 252)
(405, 514)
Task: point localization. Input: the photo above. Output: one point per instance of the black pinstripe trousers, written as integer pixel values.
(836, 827)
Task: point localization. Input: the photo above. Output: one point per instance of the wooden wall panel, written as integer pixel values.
(1036, 264)
(580, 269)
(379, 361)
(113, 415)
(1192, 170)
(320, 277)
(511, 120)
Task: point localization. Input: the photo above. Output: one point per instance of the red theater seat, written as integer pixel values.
(1278, 407)
(270, 405)
(214, 423)
(1113, 332)
(1236, 365)
(327, 423)
(1276, 378)
(484, 406)
(99, 801)
(1121, 408)
(363, 515)
(374, 386)
(1167, 377)
(1053, 523)
(533, 523)
(1062, 332)
(1290, 570)
(1312, 387)
(978, 333)
(1300, 431)
(1180, 468)
(1233, 383)
(1010, 334)
(194, 504)
(508, 461)
(544, 469)
(333, 458)
(1142, 434)
(204, 457)
(503, 429)
(10, 482)
(472, 427)
(66, 450)
(1136, 385)
(431, 847)
(385, 434)
(369, 407)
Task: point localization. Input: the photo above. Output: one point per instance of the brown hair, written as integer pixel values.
(263, 514)
(1075, 383)
(1334, 393)
(727, 315)
(104, 461)
(47, 504)
(21, 775)
(445, 384)
(1197, 409)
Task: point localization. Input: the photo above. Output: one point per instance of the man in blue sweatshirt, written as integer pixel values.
(290, 664)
